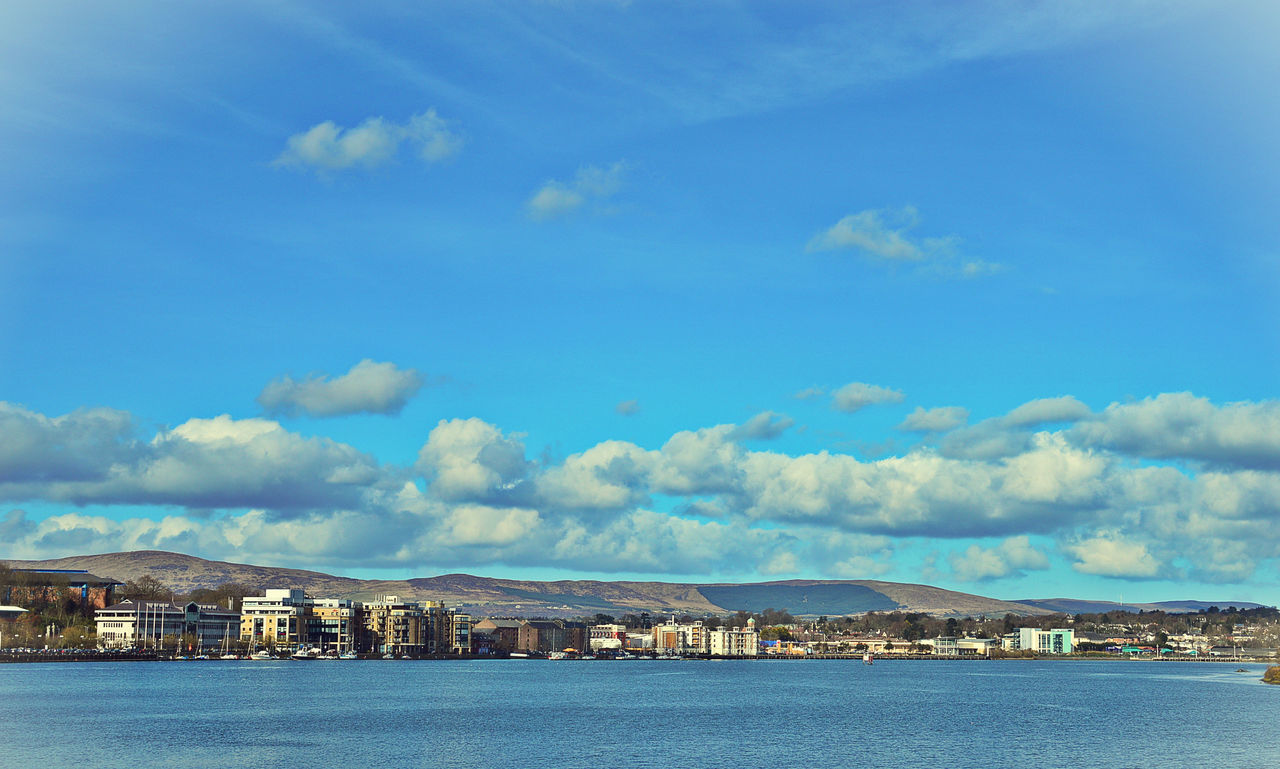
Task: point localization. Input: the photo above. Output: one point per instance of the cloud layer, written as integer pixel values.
(702, 502)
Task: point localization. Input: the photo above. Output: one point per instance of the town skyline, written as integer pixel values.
(943, 293)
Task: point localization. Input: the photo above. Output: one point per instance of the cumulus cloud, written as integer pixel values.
(1183, 426)
(470, 460)
(591, 184)
(765, 426)
(1010, 434)
(1110, 555)
(1011, 557)
(368, 388)
(374, 142)
(858, 395)
(251, 487)
(81, 446)
(202, 463)
(936, 420)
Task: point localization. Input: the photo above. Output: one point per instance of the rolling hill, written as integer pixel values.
(485, 596)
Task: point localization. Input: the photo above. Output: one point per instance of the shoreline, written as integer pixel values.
(55, 656)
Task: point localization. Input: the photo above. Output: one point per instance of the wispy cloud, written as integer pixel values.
(374, 142)
(856, 396)
(886, 235)
(591, 184)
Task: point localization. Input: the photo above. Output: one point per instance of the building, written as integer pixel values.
(446, 631)
(34, 586)
(612, 637)
(735, 642)
(161, 624)
(335, 624)
(277, 618)
(1056, 641)
(678, 638)
(545, 635)
(504, 633)
(395, 627)
(950, 646)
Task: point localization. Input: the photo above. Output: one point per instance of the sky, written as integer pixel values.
(979, 295)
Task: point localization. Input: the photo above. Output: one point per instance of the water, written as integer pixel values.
(535, 713)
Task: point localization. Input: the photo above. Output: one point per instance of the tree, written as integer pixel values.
(146, 588)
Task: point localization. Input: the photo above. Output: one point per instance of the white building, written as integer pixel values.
(152, 624)
(1056, 641)
(608, 637)
(735, 642)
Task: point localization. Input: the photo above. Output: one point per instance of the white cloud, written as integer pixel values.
(470, 460)
(885, 234)
(1010, 434)
(627, 408)
(880, 232)
(591, 184)
(858, 395)
(92, 457)
(936, 420)
(1109, 555)
(1010, 557)
(374, 142)
(1183, 426)
(477, 499)
(369, 387)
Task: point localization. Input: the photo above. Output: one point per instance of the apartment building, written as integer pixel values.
(735, 642)
(278, 617)
(395, 627)
(677, 638)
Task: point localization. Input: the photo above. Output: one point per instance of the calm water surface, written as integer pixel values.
(534, 713)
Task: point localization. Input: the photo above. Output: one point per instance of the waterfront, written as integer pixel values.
(547, 714)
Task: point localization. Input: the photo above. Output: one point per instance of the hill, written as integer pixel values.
(487, 596)
(1077, 606)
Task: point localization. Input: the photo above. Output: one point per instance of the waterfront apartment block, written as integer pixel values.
(735, 642)
(696, 638)
(153, 624)
(278, 618)
(288, 618)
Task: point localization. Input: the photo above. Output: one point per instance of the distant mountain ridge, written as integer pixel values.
(487, 596)
(1077, 606)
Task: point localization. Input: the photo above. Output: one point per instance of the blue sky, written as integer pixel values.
(979, 295)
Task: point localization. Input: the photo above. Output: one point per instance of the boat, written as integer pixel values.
(348, 655)
(305, 654)
(261, 654)
(866, 658)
